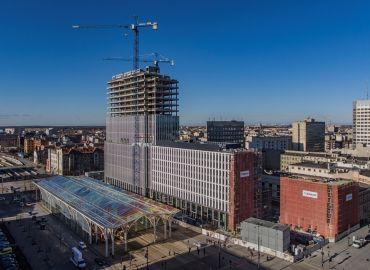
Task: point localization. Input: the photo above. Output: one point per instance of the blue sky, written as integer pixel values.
(260, 61)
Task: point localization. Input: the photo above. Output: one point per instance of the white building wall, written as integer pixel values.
(201, 177)
(361, 122)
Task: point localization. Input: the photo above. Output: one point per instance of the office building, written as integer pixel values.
(361, 123)
(308, 135)
(321, 205)
(208, 183)
(226, 132)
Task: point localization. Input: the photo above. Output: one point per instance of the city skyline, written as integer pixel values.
(258, 61)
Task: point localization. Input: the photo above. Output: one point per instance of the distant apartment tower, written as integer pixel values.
(308, 135)
(157, 103)
(361, 122)
(226, 132)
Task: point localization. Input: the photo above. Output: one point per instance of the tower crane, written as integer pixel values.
(157, 58)
(134, 27)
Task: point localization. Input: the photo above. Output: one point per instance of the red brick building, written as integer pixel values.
(327, 207)
(243, 195)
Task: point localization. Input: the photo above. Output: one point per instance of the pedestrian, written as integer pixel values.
(189, 250)
(204, 251)
(198, 250)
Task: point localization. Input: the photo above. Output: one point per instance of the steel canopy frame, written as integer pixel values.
(97, 206)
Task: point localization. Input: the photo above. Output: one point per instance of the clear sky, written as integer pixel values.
(255, 60)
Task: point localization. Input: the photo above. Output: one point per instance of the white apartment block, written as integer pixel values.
(361, 122)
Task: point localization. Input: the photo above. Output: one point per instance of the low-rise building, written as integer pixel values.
(364, 204)
(75, 160)
(264, 142)
(8, 140)
(268, 234)
(327, 207)
(33, 144)
(292, 157)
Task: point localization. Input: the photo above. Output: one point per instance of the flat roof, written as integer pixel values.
(310, 164)
(104, 204)
(318, 179)
(206, 146)
(267, 224)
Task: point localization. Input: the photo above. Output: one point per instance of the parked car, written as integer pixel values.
(358, 243)
(82, 245)
(100, 262)
(367, 237)
(6, 250)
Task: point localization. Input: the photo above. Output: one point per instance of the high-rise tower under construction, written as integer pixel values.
(150, 99)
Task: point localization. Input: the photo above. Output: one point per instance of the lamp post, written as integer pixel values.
(147, 257)
(219, 254)
(258, 246)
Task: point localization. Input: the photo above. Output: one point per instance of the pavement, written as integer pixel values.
(51, 248)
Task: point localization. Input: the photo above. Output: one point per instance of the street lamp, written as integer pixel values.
(258, 246)
(147, 257)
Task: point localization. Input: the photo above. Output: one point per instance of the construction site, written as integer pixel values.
(142, 91)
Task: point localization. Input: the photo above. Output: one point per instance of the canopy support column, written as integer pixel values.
(165, 228)
(96, 234)
(106, 242)
(154, 230)
(169, 227)
(112, 239)
(125, 239)
(90, 233)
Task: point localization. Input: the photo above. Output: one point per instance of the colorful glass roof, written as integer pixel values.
(108, 206)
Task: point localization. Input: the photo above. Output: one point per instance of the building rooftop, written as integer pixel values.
(301, 153)
(318, 165)
(203, 146)
(267, 224)
(318, 179)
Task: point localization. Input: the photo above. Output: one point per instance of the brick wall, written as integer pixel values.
(242, 188)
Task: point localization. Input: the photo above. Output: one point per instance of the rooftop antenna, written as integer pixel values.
(367, 90)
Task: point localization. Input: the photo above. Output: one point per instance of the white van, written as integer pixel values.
(77, 259)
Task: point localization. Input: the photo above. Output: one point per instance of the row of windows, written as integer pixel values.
(197, 176)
